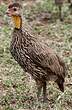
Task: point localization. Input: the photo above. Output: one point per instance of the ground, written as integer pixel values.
(17, 89)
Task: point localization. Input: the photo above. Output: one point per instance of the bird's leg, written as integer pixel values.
(69, 1)
(60, 13)
(70, 6)
(44, 92)
(39, 88)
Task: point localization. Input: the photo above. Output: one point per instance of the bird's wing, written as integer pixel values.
(46, 58)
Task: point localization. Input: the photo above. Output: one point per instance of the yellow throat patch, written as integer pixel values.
(17, 21)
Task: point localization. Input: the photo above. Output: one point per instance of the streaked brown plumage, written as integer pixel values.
(36, 57)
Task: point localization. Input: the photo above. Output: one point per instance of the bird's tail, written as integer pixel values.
(64, 66)
(61, 77)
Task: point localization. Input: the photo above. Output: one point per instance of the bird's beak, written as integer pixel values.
(8, 13)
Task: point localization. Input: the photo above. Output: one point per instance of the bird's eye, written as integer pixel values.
(15, 9)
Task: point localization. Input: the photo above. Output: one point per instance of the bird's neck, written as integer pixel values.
(17, 21)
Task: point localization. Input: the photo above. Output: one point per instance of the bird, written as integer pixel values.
(59, 3)
(34, 56)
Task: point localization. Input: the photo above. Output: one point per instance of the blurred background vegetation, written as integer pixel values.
(17, 89)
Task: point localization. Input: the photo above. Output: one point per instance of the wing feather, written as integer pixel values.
(46, 58)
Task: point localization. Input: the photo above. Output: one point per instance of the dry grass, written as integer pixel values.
(17, 90)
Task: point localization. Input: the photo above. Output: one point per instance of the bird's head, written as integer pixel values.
(14, 11)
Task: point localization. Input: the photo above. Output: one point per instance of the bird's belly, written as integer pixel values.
(27, 64)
